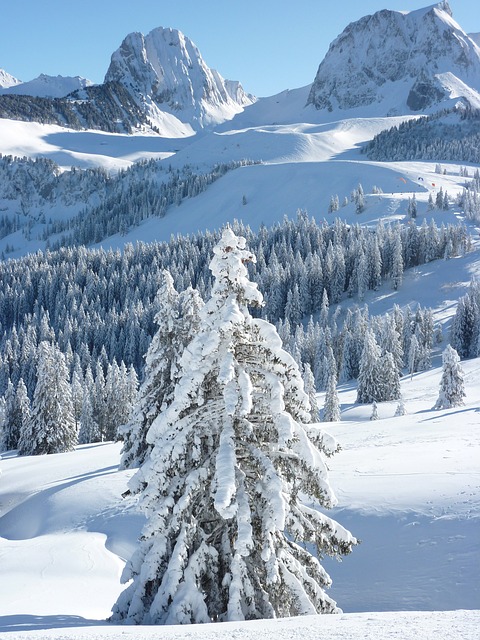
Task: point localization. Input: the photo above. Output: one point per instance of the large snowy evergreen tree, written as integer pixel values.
(234, 477)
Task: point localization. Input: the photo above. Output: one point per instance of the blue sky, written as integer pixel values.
(269, 45)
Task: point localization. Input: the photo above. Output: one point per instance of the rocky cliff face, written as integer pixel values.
(415, 60)
(166, 72)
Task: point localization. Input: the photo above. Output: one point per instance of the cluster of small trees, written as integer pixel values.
(465, 332)
(469, 199)
(361, 347)
(357, 196)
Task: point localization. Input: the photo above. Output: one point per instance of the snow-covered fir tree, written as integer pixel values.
(156, 391)
(389, 381)
(311, 391)
(465, 331)
(452, 387)
(16, 412)
(234, 476)
(89, 429)
(401, 410)
(370, 375)
(51, 425)
(331, 407)
(10, 430)
(178, 321)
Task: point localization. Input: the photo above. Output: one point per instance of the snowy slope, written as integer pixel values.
(83, 149)
(302, 166)
(46, 86)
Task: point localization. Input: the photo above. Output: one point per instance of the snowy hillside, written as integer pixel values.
(302, 166)
(407, 486)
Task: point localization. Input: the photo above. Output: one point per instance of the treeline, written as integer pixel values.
(106, 107)
(449, 135)
(99, 306)
(469, 199)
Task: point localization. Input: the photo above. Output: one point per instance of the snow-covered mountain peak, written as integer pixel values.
(397, 53)
(7, 80)
(166, 71)
(46, 86)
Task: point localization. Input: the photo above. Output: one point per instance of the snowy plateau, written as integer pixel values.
(408, 486)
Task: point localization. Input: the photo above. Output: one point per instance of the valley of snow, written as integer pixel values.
(301, 166)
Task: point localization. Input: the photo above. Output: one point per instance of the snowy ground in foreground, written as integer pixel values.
(440, 625)
(409, 487)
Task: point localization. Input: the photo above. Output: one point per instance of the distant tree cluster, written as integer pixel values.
(451, 135)
(469, 199)
(68, 407)
(375, 350)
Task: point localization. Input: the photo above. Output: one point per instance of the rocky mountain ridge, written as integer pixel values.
(158, 82)
(388, 63)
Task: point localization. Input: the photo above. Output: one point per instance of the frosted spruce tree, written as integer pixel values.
(177, 321)
(234, 477)
(452, 388)
(331, 407)
(50, 427)
(369, 377)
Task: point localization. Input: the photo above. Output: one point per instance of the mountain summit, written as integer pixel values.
(166, 73)
(7, 80)
(401, 62)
